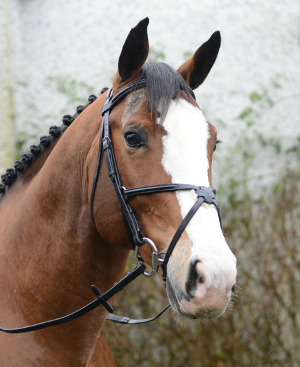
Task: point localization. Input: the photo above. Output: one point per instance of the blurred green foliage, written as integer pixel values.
(262, 324)
(187, 55)
(156, 54)
(75, 91)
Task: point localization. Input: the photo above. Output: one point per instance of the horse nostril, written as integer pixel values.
(193, 278)
(233, 288)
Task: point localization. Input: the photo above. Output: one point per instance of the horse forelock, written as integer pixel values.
(163, 84)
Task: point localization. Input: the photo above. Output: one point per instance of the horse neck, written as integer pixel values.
(51, 247)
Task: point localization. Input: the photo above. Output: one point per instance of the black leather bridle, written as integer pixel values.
(204, 195)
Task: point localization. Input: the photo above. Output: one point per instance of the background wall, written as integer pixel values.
(7, 136)
(54, 54)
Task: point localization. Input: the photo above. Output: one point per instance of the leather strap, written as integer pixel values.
(96, 174)
(133, 229)
(178, 233)
(204, 195)
(145, 190)
(101, 300)
(112, 102)
(127, 320)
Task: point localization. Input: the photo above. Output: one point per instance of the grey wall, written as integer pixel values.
(82, 40)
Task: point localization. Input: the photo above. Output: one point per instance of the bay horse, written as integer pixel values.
(53, 248)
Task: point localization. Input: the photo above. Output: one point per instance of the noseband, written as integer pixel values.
(204, 194)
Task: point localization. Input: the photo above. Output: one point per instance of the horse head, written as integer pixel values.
(62, 226)
(160, 137)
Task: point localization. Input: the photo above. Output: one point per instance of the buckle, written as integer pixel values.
(156, 260)
(207, 193)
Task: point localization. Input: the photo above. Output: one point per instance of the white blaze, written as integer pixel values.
(185, 159)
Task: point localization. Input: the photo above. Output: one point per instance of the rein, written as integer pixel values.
(100, 300)
(204, 195)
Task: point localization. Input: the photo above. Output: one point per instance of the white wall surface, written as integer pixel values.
(82, 40)
(7, 137)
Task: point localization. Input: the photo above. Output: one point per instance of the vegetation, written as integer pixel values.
(262, 324)
(75, 93)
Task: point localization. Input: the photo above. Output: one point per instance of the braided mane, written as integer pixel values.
(36, 151)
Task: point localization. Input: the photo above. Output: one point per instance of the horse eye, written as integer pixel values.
(132, 139)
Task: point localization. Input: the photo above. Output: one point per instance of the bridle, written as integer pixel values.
(204, 195)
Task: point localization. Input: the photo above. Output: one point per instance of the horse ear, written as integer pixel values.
(196, 68)
(135, 50)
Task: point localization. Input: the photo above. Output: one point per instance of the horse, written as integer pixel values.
(56, 241)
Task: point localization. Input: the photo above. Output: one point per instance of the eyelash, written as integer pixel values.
(215, 145)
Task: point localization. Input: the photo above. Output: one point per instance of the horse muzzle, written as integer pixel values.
(208, 287)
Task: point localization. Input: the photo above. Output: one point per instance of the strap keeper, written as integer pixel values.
(106, 142)
(106, 108)
(100, 298)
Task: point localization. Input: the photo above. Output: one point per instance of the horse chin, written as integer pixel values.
(188, 311)
(175, 303)
(183, 306)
